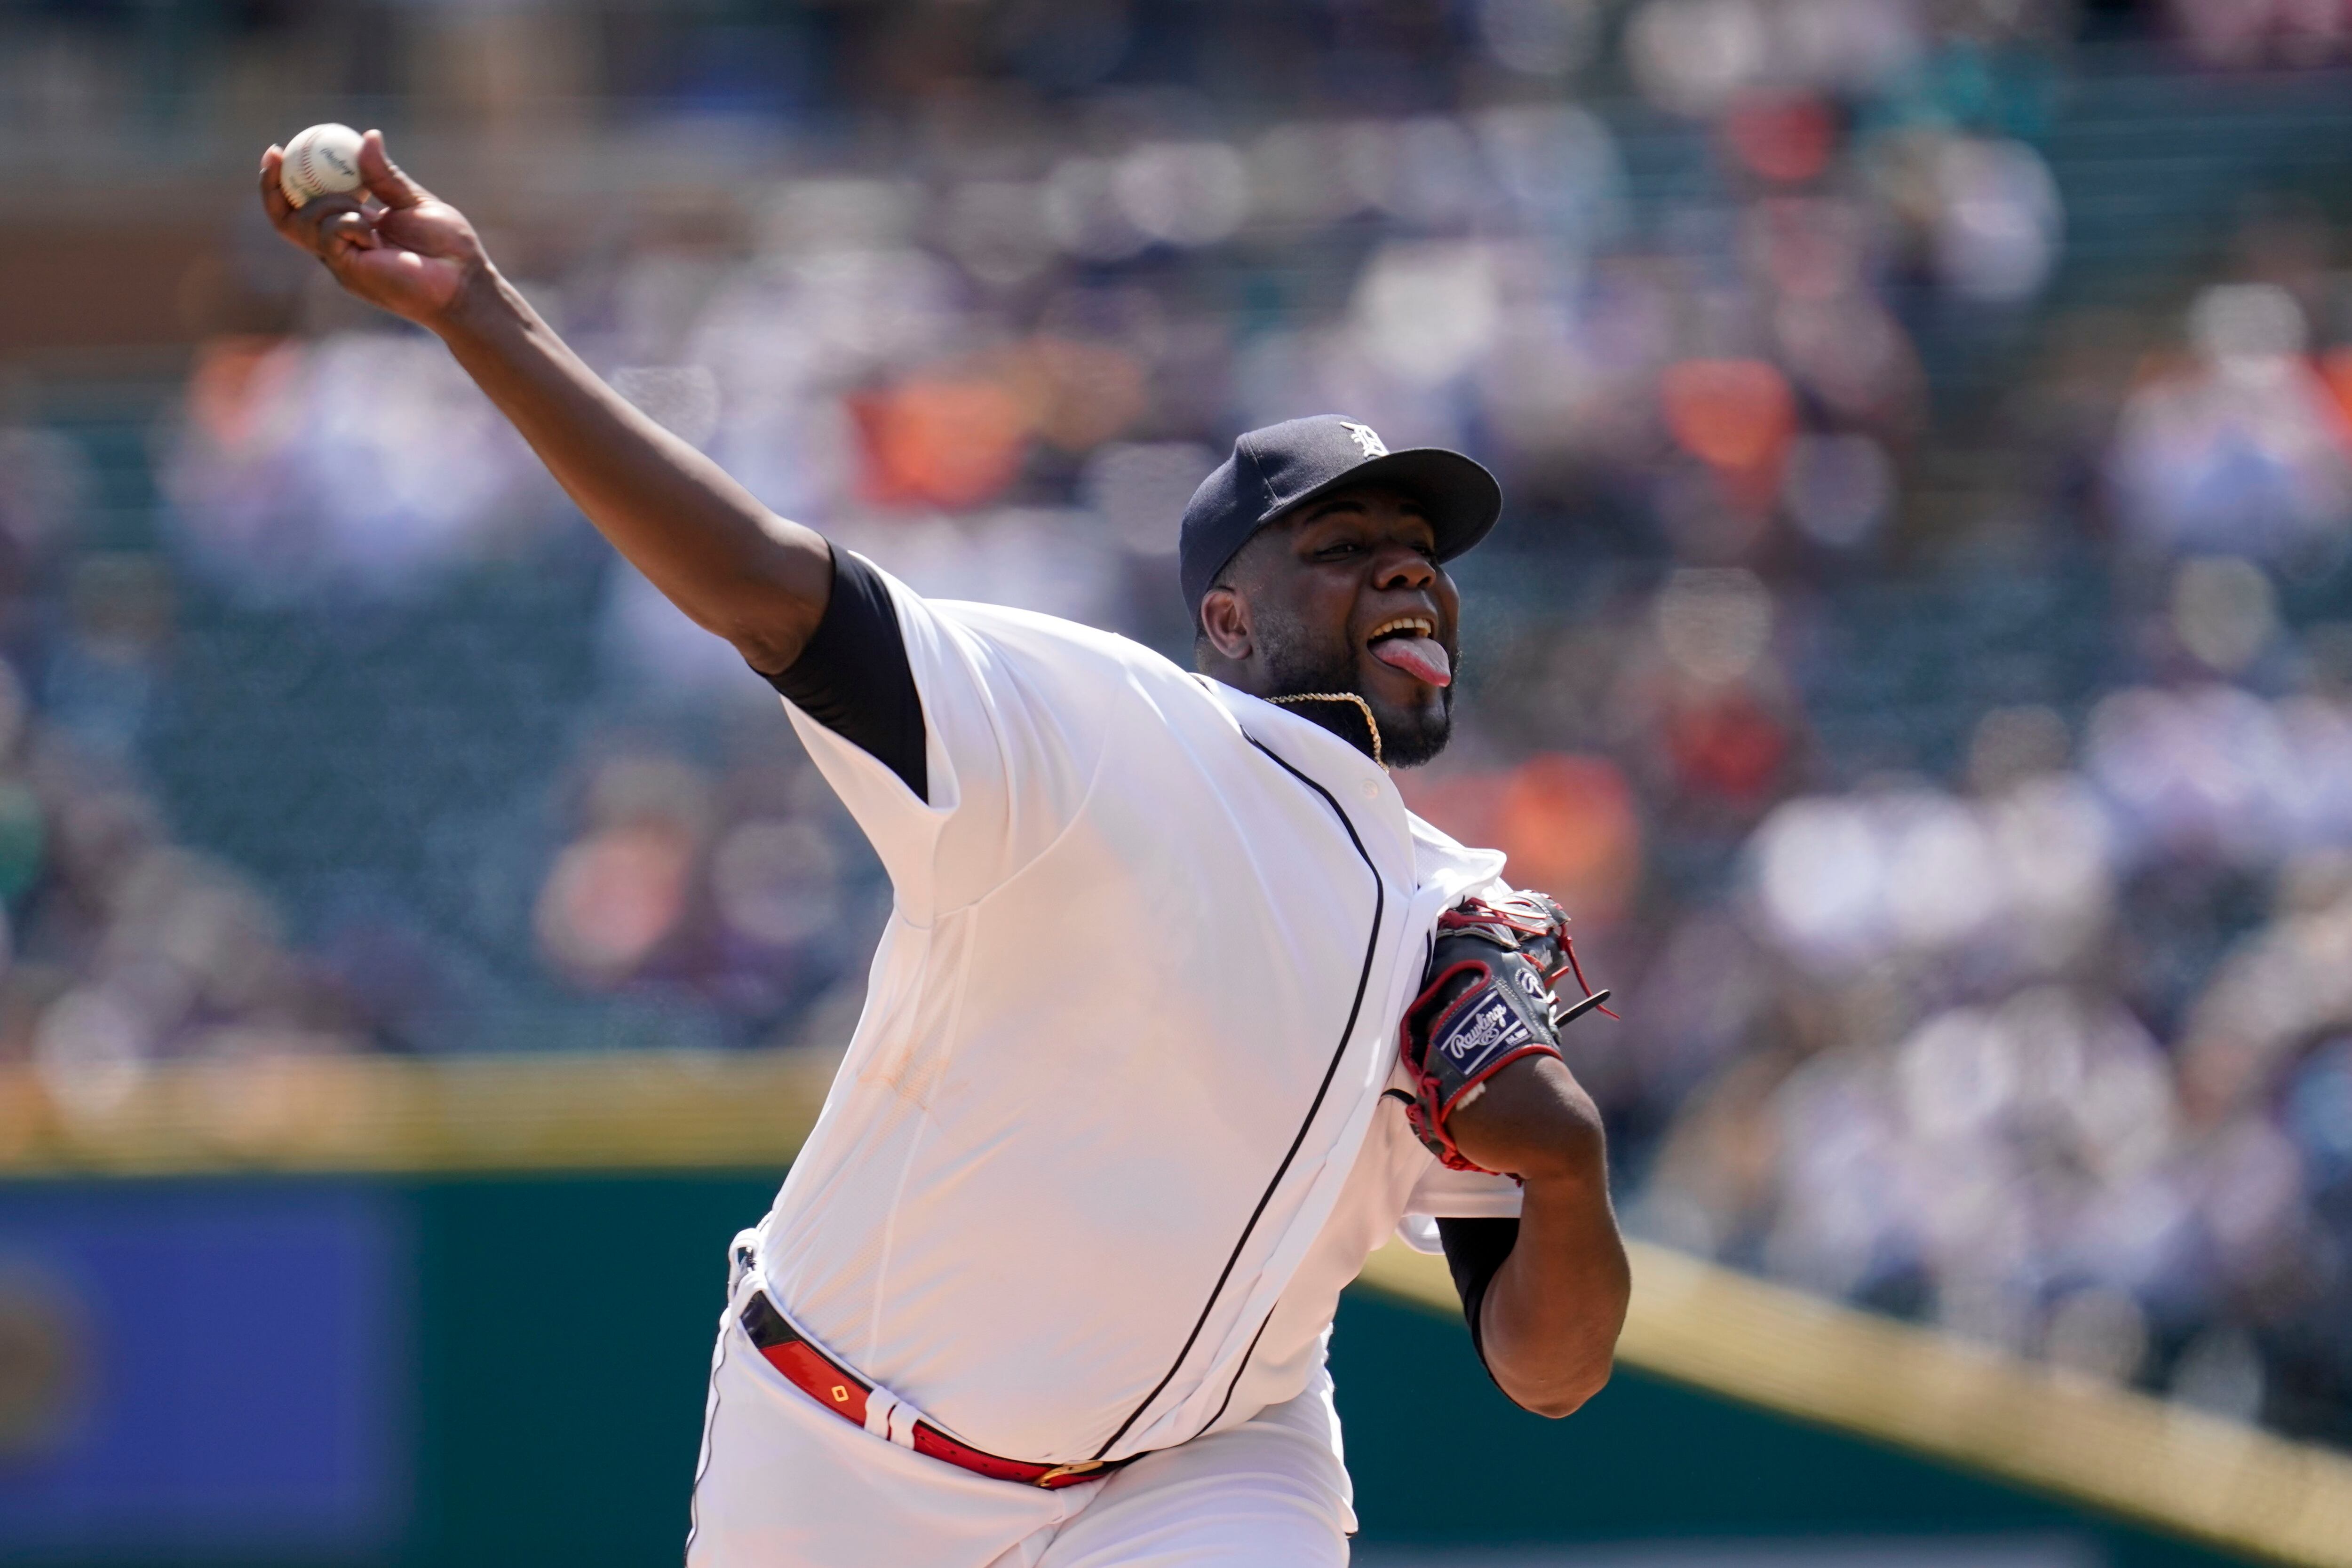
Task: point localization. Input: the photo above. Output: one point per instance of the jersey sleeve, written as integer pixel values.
(1476, 1251)
(854, 678)
(1012, 708)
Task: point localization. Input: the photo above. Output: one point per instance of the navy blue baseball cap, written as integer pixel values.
(1286, 465)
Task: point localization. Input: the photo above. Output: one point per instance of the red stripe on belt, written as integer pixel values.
(845, 1394)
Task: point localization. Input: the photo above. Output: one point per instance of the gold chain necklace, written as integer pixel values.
(1369, 722)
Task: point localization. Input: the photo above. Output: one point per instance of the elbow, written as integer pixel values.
(1561, 1394)
(1566, 1399)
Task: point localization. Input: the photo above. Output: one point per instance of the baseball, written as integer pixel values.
(320, 162)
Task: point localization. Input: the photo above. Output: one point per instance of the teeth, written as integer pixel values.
(1420, 623)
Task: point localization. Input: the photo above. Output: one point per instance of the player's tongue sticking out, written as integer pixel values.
(1417, 653)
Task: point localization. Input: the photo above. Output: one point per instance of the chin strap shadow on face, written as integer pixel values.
(1369, 722)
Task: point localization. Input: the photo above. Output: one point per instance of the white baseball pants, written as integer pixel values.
(784, 1483)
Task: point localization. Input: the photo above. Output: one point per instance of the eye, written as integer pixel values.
(1339, 549)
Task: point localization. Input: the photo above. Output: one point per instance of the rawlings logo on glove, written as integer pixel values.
(1468, 1039)
(1486, 1001)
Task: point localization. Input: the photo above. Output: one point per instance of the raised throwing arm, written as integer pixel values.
(733, 567)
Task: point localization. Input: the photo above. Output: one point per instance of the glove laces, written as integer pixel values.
(1369, 722)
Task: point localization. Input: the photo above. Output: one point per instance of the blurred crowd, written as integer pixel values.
(122, 946)
(1922, 664)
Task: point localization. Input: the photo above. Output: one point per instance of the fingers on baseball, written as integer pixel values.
(280, 210)
(385, 179)
(344, 231)
(320, 226)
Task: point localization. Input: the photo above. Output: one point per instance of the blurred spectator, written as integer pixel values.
(357, 461)
(2243, 448)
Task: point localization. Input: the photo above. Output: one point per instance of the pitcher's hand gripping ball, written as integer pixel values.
(323, 161)
(1486, 1000)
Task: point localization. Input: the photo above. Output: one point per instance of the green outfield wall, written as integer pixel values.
(510, 1370)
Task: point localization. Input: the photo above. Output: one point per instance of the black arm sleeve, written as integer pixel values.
(854, 678)
(1475, 1250)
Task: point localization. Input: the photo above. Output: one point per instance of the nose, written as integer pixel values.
(1402, 566)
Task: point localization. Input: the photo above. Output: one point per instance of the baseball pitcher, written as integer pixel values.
(1180, 1013)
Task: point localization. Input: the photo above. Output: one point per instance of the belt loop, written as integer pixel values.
(902, 1426)
(742, 1259)
(880, 1408)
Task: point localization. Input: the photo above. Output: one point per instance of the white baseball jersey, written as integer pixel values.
(1110, 1138)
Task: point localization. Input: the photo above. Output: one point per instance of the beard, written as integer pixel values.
(1298, 664)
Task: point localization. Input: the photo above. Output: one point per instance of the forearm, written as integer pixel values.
(733, 565)
(1551, 1315)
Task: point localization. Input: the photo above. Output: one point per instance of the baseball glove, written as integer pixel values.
(1486, 1001)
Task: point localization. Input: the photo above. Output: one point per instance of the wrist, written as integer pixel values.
(482, 306)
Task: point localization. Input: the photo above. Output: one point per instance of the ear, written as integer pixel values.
(1225, 620)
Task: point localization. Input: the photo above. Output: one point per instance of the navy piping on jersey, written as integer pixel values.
(1243, 1366)
(1322, 1091)
(852, 676)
